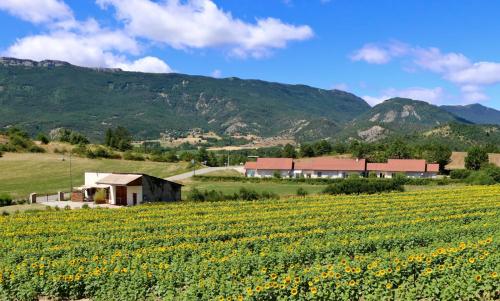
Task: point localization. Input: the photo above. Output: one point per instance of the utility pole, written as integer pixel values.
(70, 175)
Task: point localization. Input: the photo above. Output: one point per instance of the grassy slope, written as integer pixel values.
(23, 173)
(232, 187)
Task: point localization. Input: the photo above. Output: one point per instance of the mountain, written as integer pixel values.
(461, 136)
(398, 116)
(40, 96)
(476, 113)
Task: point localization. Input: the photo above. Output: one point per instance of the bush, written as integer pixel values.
(97, 152)
(36, 149)
(357, 186)
(85, 206)
(100, 196)
(480, 178)
(42, 138)
(215, 196)
(128, 155)
(5, 200)
(302, 192)
(493, 171)
(460, 174)
(277, 174)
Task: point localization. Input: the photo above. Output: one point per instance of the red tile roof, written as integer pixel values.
(399, 165)
(433, 167)
(376, 166)
(325, 163)
(275, 163)
(251, 165)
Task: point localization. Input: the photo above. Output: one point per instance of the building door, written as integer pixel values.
(134, 198)
(121, 195)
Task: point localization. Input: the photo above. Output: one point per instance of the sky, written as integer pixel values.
(443, 52)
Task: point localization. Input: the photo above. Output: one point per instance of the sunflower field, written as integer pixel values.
(422, 245)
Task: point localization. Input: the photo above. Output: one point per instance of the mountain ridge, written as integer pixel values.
(58, 94)
(476, 113)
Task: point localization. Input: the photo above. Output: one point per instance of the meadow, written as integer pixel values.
(418, 245)
(24, 173)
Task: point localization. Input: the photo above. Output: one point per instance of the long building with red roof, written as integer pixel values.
(330, 167)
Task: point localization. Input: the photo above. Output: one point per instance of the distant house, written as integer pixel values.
(127, 189)
(268, 167)
(410, 167)
(327, 167)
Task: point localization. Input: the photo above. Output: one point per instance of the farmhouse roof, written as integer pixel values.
(119, 179)
(399, 165)
(275, 163)
(433, 167)
(251, 165)
(326, 163)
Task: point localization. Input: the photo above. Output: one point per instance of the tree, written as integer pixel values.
(322, 147)
(359, 149)
(119, 138)
(42, 138)
(476, 157)
(306, 150)
(289, 151)
(202, 155)
(439, 153)
(398, 150)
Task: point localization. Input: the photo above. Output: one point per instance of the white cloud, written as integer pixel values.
(97, 49)
(37, 11)
(147, 64)
(481, 73)
(372, 54)
(216, 73)
(91, 46)
(201, 24)
(453, 67)
(434, 96)
(434, 60)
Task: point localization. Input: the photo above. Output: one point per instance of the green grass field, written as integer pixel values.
(232, 187)
(24, 173)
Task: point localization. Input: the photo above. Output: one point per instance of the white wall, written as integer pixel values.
(331, 174)
(270, 173)
(112, 195)
(388, 174)
(92, 177)
(130, 191)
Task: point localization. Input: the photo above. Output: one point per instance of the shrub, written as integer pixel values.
(302, 192)
(99, 152)
(42, 138)
(100, 196)
(214, 195)
(357, 186)
(460, 174)
(276, 174)
(85, 206)
(128, 155)
(5, 200)
(493, 171)
(36, 149)
(480, 178)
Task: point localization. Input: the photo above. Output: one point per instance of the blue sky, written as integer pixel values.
(444, 52)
